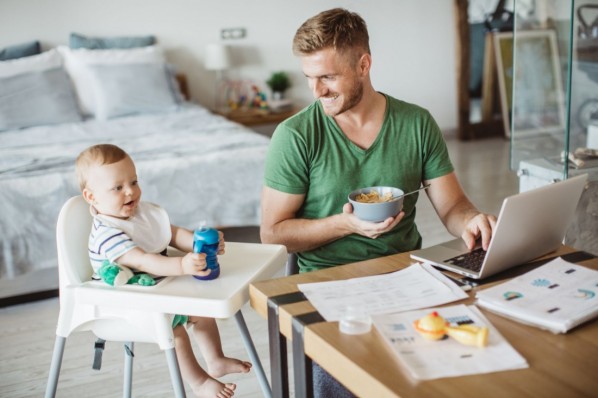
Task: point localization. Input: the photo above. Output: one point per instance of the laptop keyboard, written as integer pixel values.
(471, 261)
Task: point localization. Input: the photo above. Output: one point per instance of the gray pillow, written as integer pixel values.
(103, 43)
(20, 50)
(128, 89)
(37, 98)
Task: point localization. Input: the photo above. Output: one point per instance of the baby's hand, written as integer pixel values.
(220, 243)
(195, 264)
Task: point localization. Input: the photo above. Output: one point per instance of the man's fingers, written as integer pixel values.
(486, 227)
(481, 226)
(347, 208)
(469, 239)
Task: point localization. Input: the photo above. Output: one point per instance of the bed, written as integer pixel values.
(197, 165)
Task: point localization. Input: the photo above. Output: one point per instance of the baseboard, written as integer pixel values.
(29, 297)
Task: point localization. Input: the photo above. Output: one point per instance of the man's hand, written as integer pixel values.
(195, 264)
(367, 228)
(481, 225)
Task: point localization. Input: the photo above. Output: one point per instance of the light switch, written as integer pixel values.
(233, 33)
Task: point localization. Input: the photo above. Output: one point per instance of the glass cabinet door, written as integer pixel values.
(554, 77)
(553, 115)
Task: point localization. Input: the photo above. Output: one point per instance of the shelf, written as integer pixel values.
(256, 117)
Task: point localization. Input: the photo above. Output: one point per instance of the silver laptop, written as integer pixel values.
(530, 224)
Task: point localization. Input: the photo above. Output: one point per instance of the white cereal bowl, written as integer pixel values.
(377, 212)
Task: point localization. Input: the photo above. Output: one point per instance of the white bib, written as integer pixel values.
(149, 227)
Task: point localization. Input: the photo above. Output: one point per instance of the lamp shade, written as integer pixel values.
(217, 57)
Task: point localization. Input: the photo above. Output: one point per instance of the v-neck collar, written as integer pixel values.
(350, 143)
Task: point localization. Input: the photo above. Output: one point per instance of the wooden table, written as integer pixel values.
(560, 365)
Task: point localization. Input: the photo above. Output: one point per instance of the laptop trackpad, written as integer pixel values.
(456, 244)
(441, 252)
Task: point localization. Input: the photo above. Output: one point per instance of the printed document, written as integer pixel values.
(556, 296)
(432, 359)
(417, 286)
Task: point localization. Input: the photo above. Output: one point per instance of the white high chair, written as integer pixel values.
(143, 313)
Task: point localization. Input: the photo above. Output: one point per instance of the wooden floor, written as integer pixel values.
(27, 331)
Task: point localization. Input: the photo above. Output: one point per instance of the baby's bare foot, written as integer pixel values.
(223, 366)
(212, 388)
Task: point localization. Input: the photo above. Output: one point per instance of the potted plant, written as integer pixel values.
(278, 83)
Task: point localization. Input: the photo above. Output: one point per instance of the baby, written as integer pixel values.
(135, 234)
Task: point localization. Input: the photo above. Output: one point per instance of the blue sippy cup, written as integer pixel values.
(205, 240)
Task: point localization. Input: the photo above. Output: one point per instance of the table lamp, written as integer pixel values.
(217, 59)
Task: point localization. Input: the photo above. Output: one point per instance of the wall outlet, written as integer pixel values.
(233, 33)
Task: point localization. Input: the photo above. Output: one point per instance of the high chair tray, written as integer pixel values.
(242, 264)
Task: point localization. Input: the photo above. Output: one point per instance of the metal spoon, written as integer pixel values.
(409, 193)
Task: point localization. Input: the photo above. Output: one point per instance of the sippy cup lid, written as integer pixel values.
(205, 234)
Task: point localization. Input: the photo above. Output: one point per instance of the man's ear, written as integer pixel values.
(365, 63)
(88, 196)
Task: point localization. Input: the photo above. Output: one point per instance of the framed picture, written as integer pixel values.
(530, 82)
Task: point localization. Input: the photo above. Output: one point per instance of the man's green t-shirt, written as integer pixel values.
(309, 154)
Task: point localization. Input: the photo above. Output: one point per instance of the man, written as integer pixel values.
(353, 137)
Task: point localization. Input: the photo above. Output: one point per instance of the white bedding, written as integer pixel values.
(196, 165)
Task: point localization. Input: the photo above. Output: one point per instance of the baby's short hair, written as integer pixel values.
(96, 155)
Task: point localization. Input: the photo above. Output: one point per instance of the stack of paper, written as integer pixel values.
(417, 286)
(432, 359)
(556, 296)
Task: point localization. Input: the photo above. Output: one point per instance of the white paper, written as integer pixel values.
(417, 286)
(431, 359)
(555, 296)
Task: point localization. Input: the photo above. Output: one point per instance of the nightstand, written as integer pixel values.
(256, 117)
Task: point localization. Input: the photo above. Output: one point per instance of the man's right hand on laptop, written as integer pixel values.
(479, 226)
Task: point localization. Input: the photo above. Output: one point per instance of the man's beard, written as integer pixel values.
(351, 100)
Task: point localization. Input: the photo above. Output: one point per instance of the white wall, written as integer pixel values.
(412, 41)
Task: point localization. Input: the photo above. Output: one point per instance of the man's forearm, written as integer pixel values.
(300, 235)
(458, 217)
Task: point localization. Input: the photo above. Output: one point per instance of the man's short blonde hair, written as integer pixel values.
(96, 155)
(340, 29)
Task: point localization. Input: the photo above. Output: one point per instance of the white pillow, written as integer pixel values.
(34, 63)
(77, 63)
(129, 89)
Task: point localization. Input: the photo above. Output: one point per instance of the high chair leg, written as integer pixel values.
(55, 367)
(255, 359)
(175, 373)
(128, 374)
